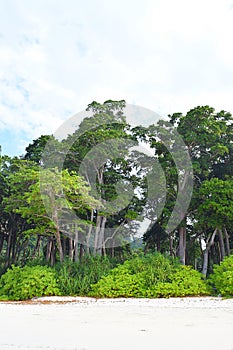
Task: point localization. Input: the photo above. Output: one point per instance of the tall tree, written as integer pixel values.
(100, 152)
(208, 141)
(216, 215)
(39, 198)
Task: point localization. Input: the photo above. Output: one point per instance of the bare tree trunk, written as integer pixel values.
(64, 241)
(209, 243)
(97, 232)
(71, 249)
(25, 244)
(182, 244)
(49, 249)
(112, 249)
(228, 251)
(59, 244)
(76, 257)
(221, 244)
(101, 245)
(89, 233)
(53, 253)
(171, 245)
(37, 247)
(8, 251)
(81, 251)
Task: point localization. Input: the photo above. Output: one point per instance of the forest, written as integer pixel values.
(86, 239)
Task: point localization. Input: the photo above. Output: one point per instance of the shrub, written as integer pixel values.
(75, 278)
(120, 283)
(21, 283)
(222, 277)
(150, 276)
(134, 277)
(184, 282)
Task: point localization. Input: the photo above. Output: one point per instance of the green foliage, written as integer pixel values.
(152, 275)
(222, 277)
(21, 283)
(216, 196)
(184, 282)
(120, 283)
(75, 278)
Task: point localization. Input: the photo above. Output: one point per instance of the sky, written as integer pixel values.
(57, 56)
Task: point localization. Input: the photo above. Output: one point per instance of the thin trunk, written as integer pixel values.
(76, 257)
(8, 250)
(89, 233)
(182, 244)
(228, 251)
(64, 241)
(171, 245)
(221, 244)
(71, 249)
(81, 251)
(13, 244)
(53, 253)
(101, 245)
(59, 244)
(97, 232)
(209, 243)
(37, 247)
(25, 246)
(112, 250)
(49, 249)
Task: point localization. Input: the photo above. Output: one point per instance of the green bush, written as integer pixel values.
(120, 283)
(75, 278)
(150, 276)
(21, 283)
(222, 277)
(184, 282)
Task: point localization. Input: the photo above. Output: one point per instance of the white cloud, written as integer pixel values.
(56, 57)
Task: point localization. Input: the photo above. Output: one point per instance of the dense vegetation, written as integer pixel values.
(98, 254)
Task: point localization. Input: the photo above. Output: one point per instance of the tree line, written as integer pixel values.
(37, 196)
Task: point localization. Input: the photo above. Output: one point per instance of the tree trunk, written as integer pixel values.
(8, 251)
(182, 244)
(71, 249)
(97, 232)
(81, 251)
(228, 251)
(76, 257)
(53, 253)
(171, 245)
(209, 243)
(59, 244)
(25, 247)
(49, 249)
(101, 245)
(37, 247)
(89, 233)
(221, 244)
(63, 243)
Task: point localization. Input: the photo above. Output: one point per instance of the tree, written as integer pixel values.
(207, 139)
(99, 150)
(38, 198)
(216, 214)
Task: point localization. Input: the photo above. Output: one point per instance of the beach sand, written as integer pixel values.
(58, 323)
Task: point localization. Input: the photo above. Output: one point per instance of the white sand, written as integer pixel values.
(90, 324)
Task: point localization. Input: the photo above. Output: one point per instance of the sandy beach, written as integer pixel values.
(90, 324)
